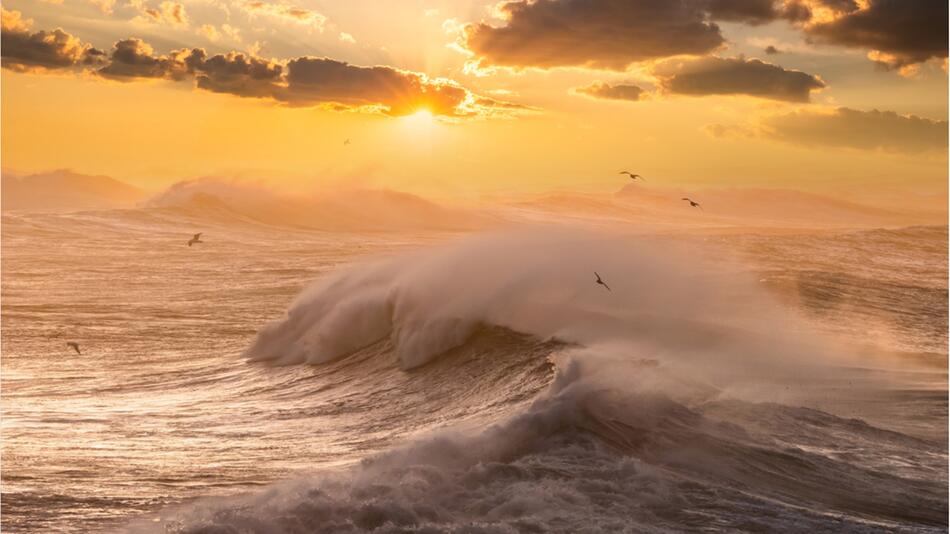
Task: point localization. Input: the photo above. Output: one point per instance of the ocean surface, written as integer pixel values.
(282, 380)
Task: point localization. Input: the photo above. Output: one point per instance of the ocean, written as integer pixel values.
(278, 379)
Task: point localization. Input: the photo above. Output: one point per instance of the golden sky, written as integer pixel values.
(464, 97)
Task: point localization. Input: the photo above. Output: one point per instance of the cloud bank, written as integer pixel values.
(847, 128)
(302, 81)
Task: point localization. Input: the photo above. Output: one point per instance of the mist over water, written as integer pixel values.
(284, 378)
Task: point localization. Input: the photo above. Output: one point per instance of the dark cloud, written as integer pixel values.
(612, 34)
(23, 50)
(607, 34)
(747, 11)
(899, 32)
(322, 80)
(611, 92)
(736, 76)
(848, 128)
(134, 58)
(235, 73)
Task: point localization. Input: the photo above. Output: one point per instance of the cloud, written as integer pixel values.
(133, 58)
(302, 81)
(22, 50)
(168, 12)
(846, 128)
(607, 34)
(771, 50)
(612, 34)
(899, 33)
(753, 12)
(210, 32)
(285, 12)
(105, 6)
(611, 92)
(312, 81)
(235, 73)
(736, 76)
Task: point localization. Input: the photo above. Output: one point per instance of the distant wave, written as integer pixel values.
(341, 210)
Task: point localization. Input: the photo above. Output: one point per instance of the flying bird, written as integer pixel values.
(346, 142)
(195, 239)
(600, 281)
(632, 176)
(74, 346)
(693, 204)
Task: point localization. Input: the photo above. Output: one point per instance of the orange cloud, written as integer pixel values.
(287, 12)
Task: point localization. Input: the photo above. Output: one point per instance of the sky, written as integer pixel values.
(467, 97)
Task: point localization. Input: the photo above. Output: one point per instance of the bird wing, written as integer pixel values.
(605, 285)
(598, 276)
(198, 235)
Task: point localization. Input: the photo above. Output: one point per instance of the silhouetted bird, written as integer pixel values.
(632, 176)
(346, 142)
(600, 281)
(693, 203)
(74, 345)
(195, 239)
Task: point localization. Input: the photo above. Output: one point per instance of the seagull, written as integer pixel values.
(195, 239)
(74, 345)
(632, 176)
(346, 142)
(692, 203)
(600, 281)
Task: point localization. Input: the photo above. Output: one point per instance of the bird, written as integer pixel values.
(692, 203)
(74, 345)
(632, 176)
(346, 142)
(600, 281)
(195, 239)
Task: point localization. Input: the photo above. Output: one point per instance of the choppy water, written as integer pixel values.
(687, 398)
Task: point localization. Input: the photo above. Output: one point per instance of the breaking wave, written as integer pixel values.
(543, 402)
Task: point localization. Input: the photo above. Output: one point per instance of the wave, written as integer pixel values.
(543, 402)
(587, 457)
(680, 304)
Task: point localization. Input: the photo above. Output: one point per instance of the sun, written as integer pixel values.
(421, 119)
